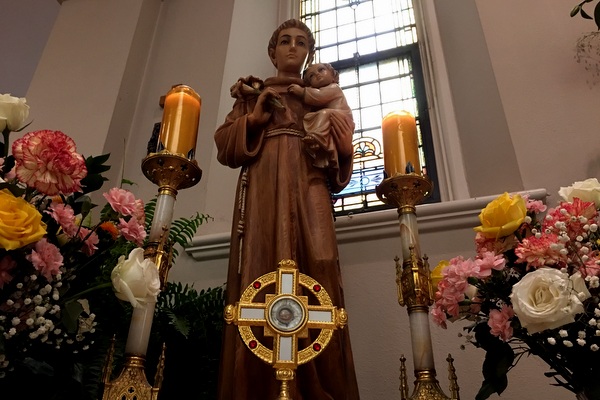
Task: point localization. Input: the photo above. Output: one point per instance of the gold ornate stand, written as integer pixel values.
(415, 291)
(170, 172)
(286, 317)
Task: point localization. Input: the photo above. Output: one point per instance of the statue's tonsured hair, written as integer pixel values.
(294, 23)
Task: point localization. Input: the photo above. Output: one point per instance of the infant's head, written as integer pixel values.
(320, 75)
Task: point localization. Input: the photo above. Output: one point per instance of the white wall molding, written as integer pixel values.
(436, 217)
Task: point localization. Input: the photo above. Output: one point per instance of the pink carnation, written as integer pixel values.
(590, 267)
(46, 258)
(122, 201)
(65, 216)
(499, 322)
(487, 262)
(7, 264)
(48, 161)
(90, 240)
(139, 213)
(439, 316)
(569, 214)
(538, 252)
(452, 287)
(535, 206)
(497, 246)
(132, 230)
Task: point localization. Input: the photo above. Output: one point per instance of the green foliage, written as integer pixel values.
(578, 9)
(182, 229)
(498, 361)
(190, 325)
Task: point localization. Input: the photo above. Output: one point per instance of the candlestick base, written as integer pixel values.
(426, 385)
(131, 384)
(171, 172)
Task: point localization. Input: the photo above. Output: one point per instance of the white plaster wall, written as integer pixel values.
(552, 113)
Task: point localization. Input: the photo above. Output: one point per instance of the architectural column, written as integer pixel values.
(88, 78)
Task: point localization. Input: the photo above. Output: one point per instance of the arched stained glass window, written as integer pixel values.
(374, 46)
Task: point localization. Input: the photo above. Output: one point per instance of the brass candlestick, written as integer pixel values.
(415, 290)
(171, 168)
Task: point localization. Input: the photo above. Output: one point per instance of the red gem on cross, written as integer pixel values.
(253, 344)
(317, 288)
(256, 285)
(316, 347)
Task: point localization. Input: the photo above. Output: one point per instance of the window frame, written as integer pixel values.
(413, 53)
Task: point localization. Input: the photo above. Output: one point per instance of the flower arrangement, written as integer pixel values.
(48, 241)
(69, 273)
(532, 288)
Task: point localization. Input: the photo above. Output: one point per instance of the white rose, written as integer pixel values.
(548, 298)
(588, 190)
(136, 278)
(13, 112)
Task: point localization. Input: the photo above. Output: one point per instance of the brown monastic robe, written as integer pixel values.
(282, 211)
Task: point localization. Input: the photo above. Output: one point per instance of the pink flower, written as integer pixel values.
(132, 230)
(139, 213)
(538, 252)
(65, 216)
(439, 316)
(122, 201)
(7, 264)
(48, 161)
(498, 246)
(535, 206)
(570, 214)
(499, 322)
(590, 267)
(46, 258)
(487, 262)
(90, 240)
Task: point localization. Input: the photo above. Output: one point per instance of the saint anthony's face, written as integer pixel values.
(291, 51)
(319, 75)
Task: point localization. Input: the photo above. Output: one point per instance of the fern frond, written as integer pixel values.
(183, 229)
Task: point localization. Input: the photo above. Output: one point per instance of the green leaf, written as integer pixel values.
(70, 315)
(597, 15)
(498, 360)
(95, 167)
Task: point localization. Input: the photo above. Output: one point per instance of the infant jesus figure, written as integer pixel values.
(323, 92)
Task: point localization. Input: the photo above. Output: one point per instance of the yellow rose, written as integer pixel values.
(436, 274)
(502, 216)
(20, 222)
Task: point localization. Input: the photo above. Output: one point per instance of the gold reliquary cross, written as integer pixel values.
(286, 316)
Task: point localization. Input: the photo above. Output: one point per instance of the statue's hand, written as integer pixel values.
(245, 87)
(263, 109)
(341, 132)
(295, 89)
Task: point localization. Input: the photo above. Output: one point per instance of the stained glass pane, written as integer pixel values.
(372, 45)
